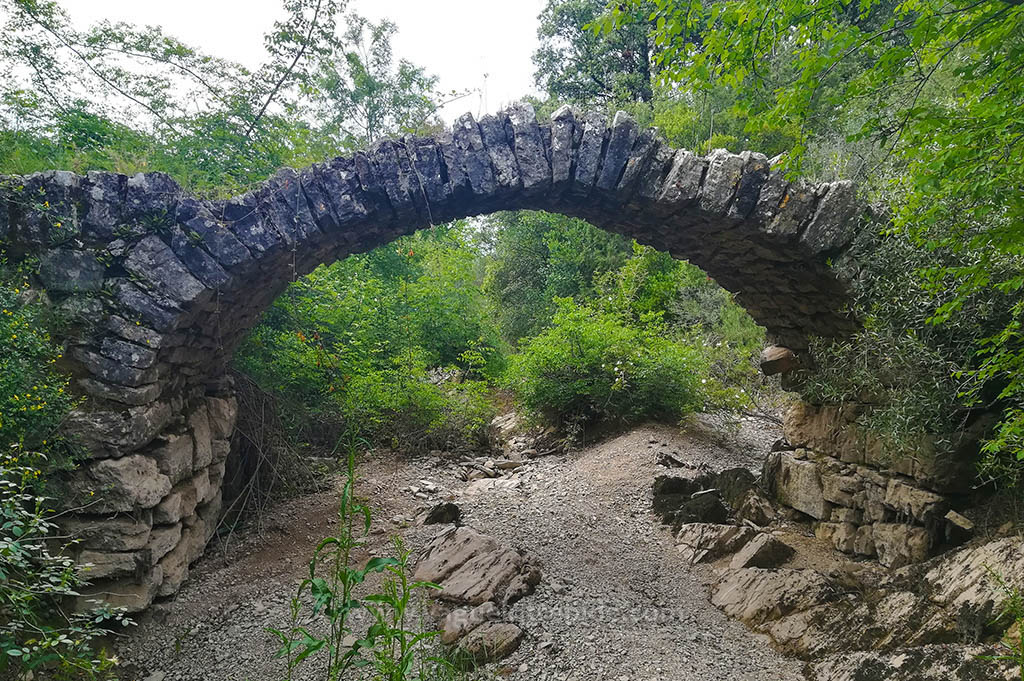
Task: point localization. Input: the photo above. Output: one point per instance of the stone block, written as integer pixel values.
(94, 565)
(723, 175)
(162, 539)
(840, 489)
(132, 595)
(222, 412)
(124, 532)
(199, 426)
(216, 473)
(864, 541)
(71, 271)
(847, 515)
(913, 502)
(174, 454)
(174, 567)
(898, 545)
(201, 484)
(221, 449)
(115, 485)
(179, 504)
(799, 486)
(153, 261)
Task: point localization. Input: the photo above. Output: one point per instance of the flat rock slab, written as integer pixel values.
(756, 596)
(488, 642)
(924, 663)
(482, 578)
(473, 570)
(706, 542)
(449, 551)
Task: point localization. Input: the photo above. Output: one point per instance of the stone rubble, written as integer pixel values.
(474, 572)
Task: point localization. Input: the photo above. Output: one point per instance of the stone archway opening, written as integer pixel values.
(165, 286)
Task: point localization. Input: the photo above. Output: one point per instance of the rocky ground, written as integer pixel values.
(647, 555)
(617, 601)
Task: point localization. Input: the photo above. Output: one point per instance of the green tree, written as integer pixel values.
(576, 65)
(937, 88)
(538, 257)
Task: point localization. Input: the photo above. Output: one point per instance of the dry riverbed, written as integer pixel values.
(616, 601)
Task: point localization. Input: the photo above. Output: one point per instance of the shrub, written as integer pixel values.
(411, 408)
(34, 395)
(368, 341)
(36, 632)
(592, 365)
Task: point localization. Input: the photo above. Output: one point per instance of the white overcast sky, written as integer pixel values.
(457, 40)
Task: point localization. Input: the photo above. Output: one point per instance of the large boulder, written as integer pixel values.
(472, 569)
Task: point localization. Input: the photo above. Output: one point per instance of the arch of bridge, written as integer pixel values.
(164, 286)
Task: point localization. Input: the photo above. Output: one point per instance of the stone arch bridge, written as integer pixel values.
(162, 286)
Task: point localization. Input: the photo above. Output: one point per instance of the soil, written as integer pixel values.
(616, 601)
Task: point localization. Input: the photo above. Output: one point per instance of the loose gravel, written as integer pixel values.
(616, 603)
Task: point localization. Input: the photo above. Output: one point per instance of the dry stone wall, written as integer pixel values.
(864, 502)
(159, 287)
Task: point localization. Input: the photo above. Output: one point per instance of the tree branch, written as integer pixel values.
(288, 72)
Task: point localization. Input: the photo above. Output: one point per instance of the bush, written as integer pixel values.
(411, 408)
(367, 343)
(34, 395)
(592, 365)
(36, 632)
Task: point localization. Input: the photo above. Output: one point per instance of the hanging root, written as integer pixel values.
(263, 466)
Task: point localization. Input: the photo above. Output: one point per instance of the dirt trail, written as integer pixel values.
(616, 602)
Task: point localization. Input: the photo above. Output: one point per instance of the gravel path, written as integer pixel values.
(616, 602)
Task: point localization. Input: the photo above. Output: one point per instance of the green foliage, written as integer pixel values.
(538, 257)
(36, 631)
(34, 394)
(576, 65)
(927, 95)
(128, 99)
(592, 365)
(396, 341)
(390, 648)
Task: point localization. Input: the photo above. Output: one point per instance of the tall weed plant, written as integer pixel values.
(324, 628)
